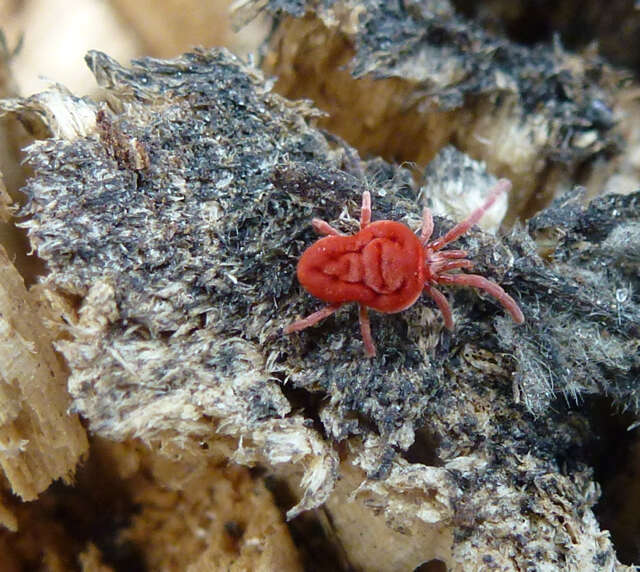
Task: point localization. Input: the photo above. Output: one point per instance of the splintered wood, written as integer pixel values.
(39, 440)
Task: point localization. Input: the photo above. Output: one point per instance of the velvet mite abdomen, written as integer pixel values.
(382, 267)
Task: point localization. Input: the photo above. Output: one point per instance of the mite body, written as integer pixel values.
(381, 267)
(385, 267)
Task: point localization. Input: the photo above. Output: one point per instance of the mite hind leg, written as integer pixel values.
(365, 330)
(312, 319)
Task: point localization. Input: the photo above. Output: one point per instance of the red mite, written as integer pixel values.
(385, 267)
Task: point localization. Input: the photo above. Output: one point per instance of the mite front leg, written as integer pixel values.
(445, 265)
(365, 210)
(502, 186)
(324, 228)
(427, 226)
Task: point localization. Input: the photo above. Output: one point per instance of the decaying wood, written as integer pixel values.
(401, 80)
(173, 327)
(39, 440)
(132, 508)
(5, 204)
(219, 516)
(171, 216)
(176, 216)
(581, 23)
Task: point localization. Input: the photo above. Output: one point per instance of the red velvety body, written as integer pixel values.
(381, 267)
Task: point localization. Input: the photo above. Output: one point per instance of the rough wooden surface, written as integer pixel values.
(177, 222)
(132, 508)
(402, 81)
(219, 517)
(171, 219)
(39, 440)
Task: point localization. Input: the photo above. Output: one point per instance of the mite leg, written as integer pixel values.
(323, 227)
(365, 330)
(365, 210)
(445, 265)
(312, 319)
(491, 288)
(442, 303)
(453, 254)
(503, 185)
(427, 226)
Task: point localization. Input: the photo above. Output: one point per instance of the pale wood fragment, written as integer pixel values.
(39, 440)
(7, 518)
(218, 514)
(379, 545)
(5, 202)
(91, 560)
